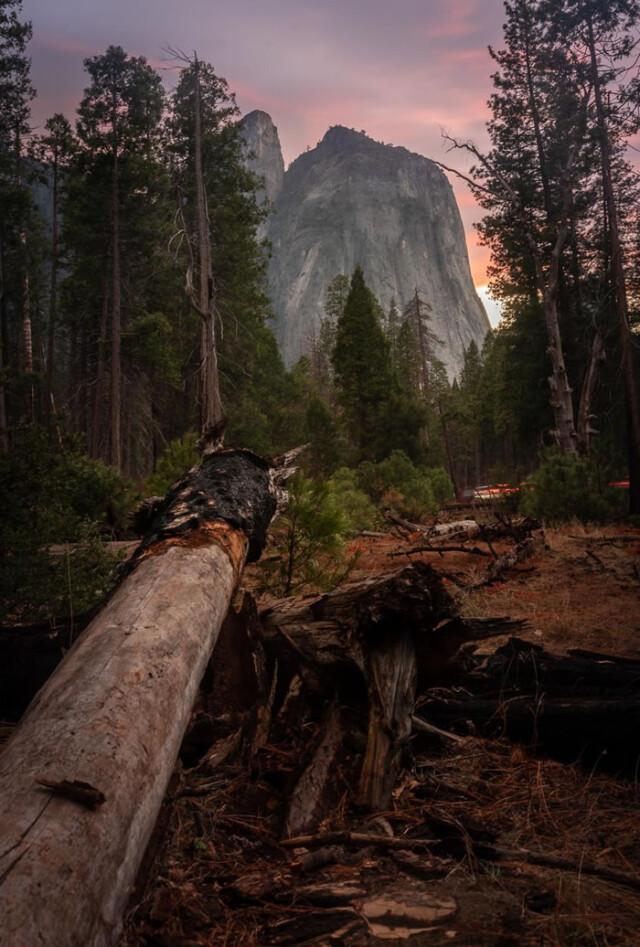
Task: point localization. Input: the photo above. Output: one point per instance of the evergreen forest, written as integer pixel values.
(136, 326)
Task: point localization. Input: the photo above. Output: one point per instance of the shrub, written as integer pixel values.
(410, 490)
(53, 497)
(42, 584)
(48, 493)
(178, 456)
(566, 487)
(440, 484)
(355, 505)
(309, 540)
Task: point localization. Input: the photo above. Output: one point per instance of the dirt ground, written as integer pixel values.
(581, 591)
(220, 834)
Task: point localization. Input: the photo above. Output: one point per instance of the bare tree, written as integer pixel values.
(199, 283)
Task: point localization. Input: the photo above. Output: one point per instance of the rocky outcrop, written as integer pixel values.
(350, 201)
(265, 154)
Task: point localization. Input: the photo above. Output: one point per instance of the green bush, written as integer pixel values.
(353, 502)
(309, 540)
(44, 583)
(178, 457)
(55, 505)
(566, 487)
(49, 493)
(440, 484)
(410, 490)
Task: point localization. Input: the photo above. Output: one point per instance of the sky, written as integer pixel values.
(402, 71)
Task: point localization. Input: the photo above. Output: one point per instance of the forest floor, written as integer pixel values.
(220, 877)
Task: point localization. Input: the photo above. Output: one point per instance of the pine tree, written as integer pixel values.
(608, 32)
(362, 369)
(392, 328)
(417, 315)
(16, 93)
(252, 378)
(54, 150)
(324, 343)
(118, 128)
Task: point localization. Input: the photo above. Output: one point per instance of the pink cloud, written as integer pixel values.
(401, 71)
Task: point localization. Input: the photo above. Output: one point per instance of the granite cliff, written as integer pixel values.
(353, 200)
(265, 160)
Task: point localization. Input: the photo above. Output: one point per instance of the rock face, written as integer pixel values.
(261, 136)
(350, 201)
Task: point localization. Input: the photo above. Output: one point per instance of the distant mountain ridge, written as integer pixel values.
(352, 200)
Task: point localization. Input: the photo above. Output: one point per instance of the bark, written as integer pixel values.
(53, 296)
(115, 448)
(210, 403)
(561, 392)
(308, 801)
(585, 431)
(569, 705)
(508, 560)
(628, 358)
(96, 432)
(392, 679)
(110, 721)
(4, 430)
(373, 643)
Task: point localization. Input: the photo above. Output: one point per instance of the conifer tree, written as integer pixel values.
(362, 369)
(118, 126)
(250, 369)
(417, 315)
(54, 150)
(16, 93)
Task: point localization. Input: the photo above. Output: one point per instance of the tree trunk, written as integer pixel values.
(53, 297)
(96, 434)
(27, 329)
(83, 776)
(4, 427)
(210, 403)
(629, 368)
(115, 450)
(561, 399)
(585, 431)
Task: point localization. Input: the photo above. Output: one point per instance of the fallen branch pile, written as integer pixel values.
(337, 784)
(315, 816)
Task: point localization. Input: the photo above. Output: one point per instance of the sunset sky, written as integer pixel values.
(401, 71)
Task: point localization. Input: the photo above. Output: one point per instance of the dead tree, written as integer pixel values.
(547, 270)
(83, 776)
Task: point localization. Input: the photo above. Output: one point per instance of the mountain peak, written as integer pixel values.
(263, 143)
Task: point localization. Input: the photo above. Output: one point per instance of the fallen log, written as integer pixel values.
(526, 548)
(522, 667)
(549, 860)
(377, 640)
(29, 654)
(590, 729)
(113, 714)
(365, 639)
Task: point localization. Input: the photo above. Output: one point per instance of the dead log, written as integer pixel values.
(520, 667)
(29, 654)
(526, 548)
(375, 641)
(306, 804)
(392, 678)
(595, 730)
(113, 714)
(459, 528)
